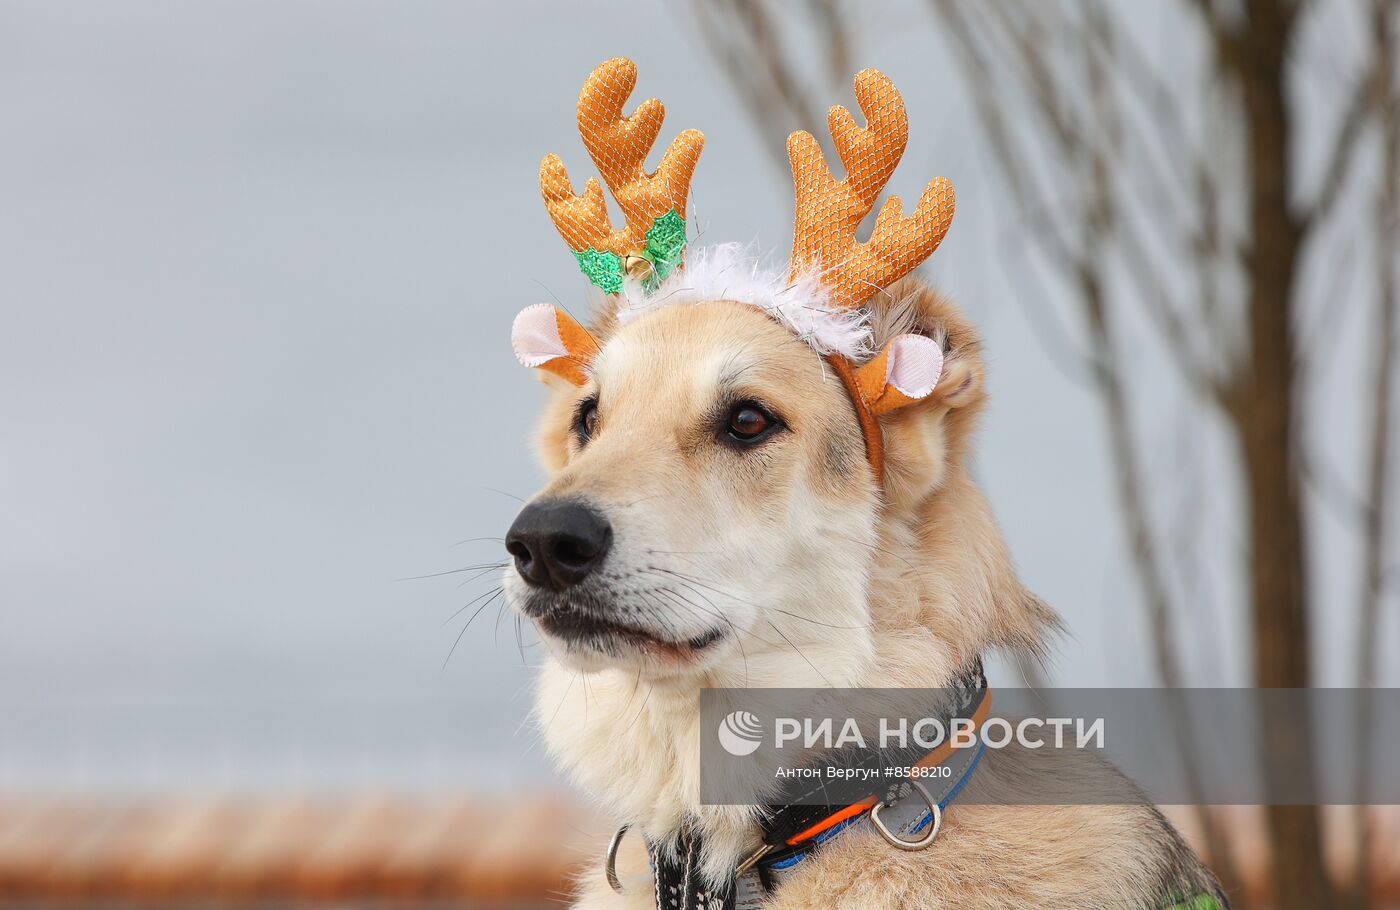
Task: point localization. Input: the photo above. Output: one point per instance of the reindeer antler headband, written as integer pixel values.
(830, 276)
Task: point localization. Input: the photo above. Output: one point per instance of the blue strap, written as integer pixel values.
(924, 821)
(954, 790)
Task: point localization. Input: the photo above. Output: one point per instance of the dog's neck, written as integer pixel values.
(941, 591)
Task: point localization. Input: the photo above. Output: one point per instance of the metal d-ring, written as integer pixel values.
(610, 864)
(894, 839)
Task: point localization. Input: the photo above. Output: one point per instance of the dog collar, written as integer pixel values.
(824, 294)
(907, 814)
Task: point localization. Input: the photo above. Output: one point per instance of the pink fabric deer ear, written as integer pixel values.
(545, 336)
(905, 372)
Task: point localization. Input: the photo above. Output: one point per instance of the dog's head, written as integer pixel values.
(711, 500)
(725, 444)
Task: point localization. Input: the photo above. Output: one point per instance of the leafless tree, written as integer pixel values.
(1180, 204)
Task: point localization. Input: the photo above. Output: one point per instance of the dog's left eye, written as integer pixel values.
(748, 423)
(586, 419)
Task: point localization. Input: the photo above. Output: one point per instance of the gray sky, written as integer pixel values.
(258, 263)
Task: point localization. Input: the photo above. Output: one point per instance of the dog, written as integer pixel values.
(715, 517)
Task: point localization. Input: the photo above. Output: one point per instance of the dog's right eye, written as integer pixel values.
(749, 423)
(586, 419)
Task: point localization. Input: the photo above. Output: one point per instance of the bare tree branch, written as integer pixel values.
(742, 35)
(1026, 35)
(1385, 411)
(1360, 105)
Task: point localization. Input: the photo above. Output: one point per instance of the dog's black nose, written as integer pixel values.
(556, 543)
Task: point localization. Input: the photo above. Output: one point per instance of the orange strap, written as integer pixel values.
(869, 423)
(937, 757)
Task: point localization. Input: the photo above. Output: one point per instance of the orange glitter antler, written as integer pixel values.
(828, 211)
(619, 146)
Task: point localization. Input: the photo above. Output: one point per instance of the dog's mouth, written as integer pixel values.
(588, 630)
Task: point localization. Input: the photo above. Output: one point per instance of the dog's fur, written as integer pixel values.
(811, 576)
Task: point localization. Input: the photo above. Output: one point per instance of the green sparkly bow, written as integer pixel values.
(664, 246)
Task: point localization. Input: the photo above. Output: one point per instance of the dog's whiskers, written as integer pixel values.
(736, 598)
(476, 540)
(458, 640)
(480, 574)
(469, 604)
(714, 611)
(520, 499)
(801, 655)
(485, 566)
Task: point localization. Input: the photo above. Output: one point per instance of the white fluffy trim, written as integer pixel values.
(731, 271)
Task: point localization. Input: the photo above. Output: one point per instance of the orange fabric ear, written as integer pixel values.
(905, 371)
(869, 425)
(545, 336)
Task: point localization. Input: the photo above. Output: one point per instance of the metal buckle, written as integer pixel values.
(610, 864)
(751, 860)
(894, 839)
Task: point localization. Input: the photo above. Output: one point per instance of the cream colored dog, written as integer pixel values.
(712, 520)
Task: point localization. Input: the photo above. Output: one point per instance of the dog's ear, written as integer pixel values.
(959, 386)
(546, 337)
(905, 371)
(930, 350)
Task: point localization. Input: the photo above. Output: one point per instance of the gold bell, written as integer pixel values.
(637, 266)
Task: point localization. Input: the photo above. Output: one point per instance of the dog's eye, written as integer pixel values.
(586, 419)
(748, 423)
